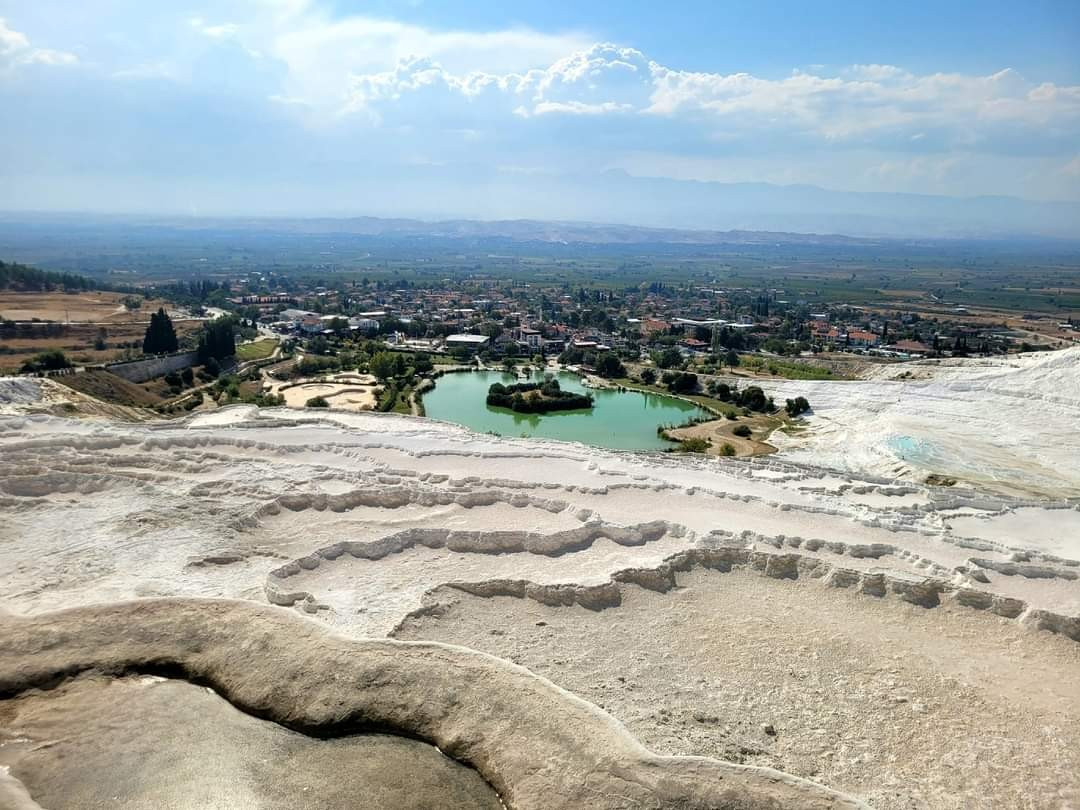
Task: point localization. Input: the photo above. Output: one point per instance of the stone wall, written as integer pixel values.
(138, 371)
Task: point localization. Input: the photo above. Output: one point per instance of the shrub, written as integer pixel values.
(753, 398)
(726, 449)
(694, 445)
(683, 383)
(797, 406)
(46, 361)
(742, 430)
(317, 402)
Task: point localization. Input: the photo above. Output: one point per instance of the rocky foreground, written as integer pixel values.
(777, 634)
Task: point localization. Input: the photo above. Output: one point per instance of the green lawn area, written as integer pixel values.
(788, 369)
(708, 403)
(255, 351)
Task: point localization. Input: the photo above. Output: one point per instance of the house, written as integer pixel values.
(694, 345)
(911, 347)
(530, 338)
(554, 345)
(366, 325)
(860, 337)
(312, 324)
(473, 343)
(295, 315)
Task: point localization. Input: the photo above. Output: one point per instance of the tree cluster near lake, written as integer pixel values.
(537, 397)
(752, 397)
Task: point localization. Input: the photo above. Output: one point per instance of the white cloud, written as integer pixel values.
(579, 108)
(863, 105)
(220, 31)
(361, 85)
(15, 49)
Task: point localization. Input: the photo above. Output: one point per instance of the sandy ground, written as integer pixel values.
(719, 432)
(348, 392)
(87, 307)
(906, 707)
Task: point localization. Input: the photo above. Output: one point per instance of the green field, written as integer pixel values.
(258, 350)
(787, 369)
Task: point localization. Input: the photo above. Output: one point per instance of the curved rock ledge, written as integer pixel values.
(470, 542)
(538, 745)
(924, 592)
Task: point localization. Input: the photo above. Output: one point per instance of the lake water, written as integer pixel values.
(621, 420)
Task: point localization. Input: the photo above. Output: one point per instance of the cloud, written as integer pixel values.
(219, 31)
(865, 105)
(295, 81)
(15, 50)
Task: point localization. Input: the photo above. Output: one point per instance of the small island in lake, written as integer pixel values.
(537, 397)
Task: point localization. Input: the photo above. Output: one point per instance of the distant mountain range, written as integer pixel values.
(554, 208)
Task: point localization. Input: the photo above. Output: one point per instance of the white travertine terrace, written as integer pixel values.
(221, 504)
(359, 521)
(1004, 424)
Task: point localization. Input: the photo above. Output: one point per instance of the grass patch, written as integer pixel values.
(259, 350)
(708, 403)
(787, 369)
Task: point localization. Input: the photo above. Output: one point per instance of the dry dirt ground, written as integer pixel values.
(907, 708)
(720, 432)
(90, 306)
(79, 316)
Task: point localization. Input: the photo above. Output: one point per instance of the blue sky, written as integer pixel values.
(301, 106)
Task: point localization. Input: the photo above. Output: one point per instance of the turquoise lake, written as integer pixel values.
(620, 420)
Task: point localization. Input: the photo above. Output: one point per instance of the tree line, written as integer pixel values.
(30, 279)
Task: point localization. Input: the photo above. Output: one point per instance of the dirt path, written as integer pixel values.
(720, 432)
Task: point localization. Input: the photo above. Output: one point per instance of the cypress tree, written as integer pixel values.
(160, 335)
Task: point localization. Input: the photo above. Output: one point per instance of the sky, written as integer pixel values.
(415, 108)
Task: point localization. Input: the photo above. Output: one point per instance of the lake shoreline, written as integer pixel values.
(616, 422)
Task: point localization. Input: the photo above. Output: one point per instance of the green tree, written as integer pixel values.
(217, 340)
(648, 376)
(383, 365)
(731, 359)
(797, 406)
(422, 363)
(50, 360)
(683, 383)
(608, 365)
(668, 358)
(160, 335)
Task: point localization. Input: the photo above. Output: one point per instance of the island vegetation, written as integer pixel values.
(537, 397)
